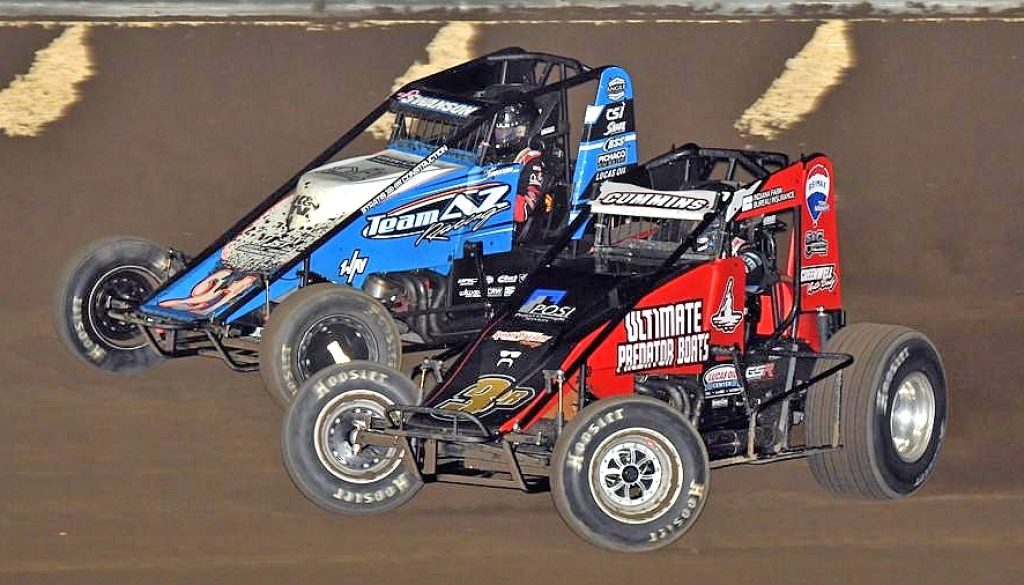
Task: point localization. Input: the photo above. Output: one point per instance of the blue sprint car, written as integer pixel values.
(355, 257)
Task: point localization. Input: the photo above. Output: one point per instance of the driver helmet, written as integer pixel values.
(511, 127)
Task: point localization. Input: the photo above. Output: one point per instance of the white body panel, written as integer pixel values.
(323, 198)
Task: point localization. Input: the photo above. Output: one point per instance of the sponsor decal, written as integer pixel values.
(610, 173)
(490, 392)
(542, 305)
(501, 171)
(616, 112)
(721, 381)
(470, 288)
(510, 278)
(615, 128)
(412, 172)
(507, 357)
(616, 89)
(355, 174)
(818, 278)
(391, 161)
(610, 159)
(816, 191)
(662, 337)
(574, 459)
(614, 119)
(92, 349)
(608, 120)
(761, 372)
(416, 99)
(613, 143)
(654, 199)
(766, 198)
(324, 387)
(493, 292)
(726, 319)
(396, 486)
(433, 217)
(815, 244)
(693, 497)
(527, 338)
(352, 267)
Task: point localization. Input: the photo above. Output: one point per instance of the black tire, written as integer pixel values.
(370, 481)
(126, 269)
(589, 454)
(893, 367)
(301, 331)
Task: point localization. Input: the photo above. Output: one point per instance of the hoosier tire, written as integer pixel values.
(629, 474)
(123, 271)
(893, 413)
(316, 441)
(319, 326)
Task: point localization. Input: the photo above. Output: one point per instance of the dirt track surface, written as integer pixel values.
(175, 475)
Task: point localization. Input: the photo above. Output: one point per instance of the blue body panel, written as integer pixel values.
(350, 255)
(609, 147)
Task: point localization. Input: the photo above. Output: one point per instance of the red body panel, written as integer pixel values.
(672, 328)
(809, 187)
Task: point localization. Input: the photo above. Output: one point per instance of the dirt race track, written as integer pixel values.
(175, 475)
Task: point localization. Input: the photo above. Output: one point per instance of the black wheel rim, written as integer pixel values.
(333, 340)
(121, 288)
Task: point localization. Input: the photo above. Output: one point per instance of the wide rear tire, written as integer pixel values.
(892, 414)
(323, 325)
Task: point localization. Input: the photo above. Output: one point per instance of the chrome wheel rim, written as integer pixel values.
(333, 433)
(635, 475)
(912, 417)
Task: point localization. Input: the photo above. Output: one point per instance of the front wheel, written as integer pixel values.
(892, 413)
(110, 274)
(629, 474)
(323, 325)
(317, 442)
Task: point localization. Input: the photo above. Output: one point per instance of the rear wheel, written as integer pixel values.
(629, 474)
(893, 413)
(110, 274)
(319, 454)
(323, 325)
